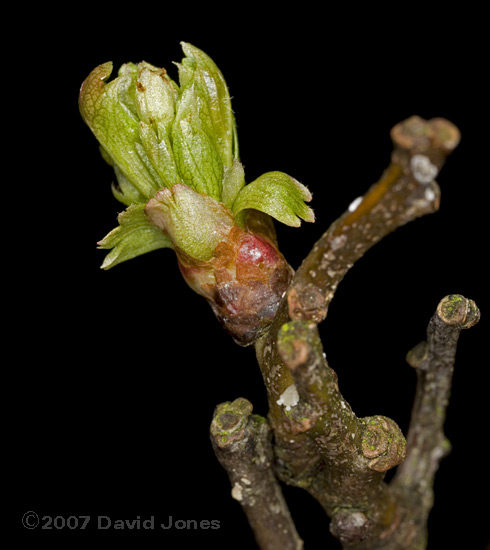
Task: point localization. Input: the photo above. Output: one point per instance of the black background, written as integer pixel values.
(116, 374)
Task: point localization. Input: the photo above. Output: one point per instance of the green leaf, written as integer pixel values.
(91, 90)
(196, 156)
(160, 154)
(233, 181)
(155, 98)
(236, 150)
(196, 223)
(186, 73)
(127, 87)
(110, 112)
(134, 236)
(200, 70)
(278, 195)
(125, 191)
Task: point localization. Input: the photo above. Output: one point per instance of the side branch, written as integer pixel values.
(320, 444)
(434, 361)
(406, 191)
(353, 453)
(242, 444)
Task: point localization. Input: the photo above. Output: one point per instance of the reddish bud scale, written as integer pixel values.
(244, 282)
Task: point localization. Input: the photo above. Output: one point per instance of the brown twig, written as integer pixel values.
(406, 191)
(319, 443)
(242, 444)
(427, 445)
(352, 454)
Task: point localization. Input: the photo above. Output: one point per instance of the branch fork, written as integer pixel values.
(319, 443)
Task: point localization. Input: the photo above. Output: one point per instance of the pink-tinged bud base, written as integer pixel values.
(244, 282)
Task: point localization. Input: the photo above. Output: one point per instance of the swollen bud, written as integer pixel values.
(195, 222)
(174, 150)
(241, 273)
(244, 282)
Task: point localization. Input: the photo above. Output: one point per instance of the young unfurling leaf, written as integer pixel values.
(195, 222)
(174, 150)
(278, 195)
(108, 111)
(135, 235)
(204, 75)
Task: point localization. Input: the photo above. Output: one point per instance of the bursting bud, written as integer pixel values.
(174, 150)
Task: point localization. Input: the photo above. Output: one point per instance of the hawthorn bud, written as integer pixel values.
(250, 276)
(241, 274)
(174, 150)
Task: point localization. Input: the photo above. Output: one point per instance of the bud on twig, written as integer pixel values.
(174, 150)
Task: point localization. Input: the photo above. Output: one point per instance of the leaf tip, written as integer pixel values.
(309, 215)
(106, 264)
